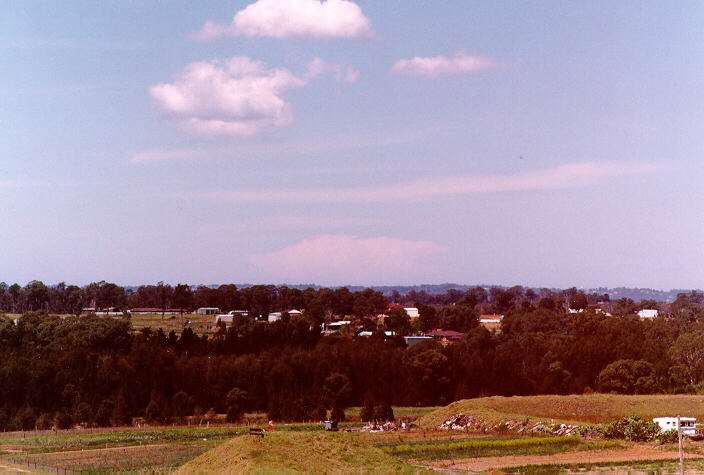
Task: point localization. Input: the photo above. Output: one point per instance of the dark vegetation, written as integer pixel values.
(59, 371)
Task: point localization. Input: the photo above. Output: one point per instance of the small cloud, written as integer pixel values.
(292, 19)
(237, 96)
(343, 259)
(459, 63)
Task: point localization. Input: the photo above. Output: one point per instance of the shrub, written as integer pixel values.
(632, 428)
(667, 437)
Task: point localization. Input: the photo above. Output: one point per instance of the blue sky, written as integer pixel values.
(291, 141)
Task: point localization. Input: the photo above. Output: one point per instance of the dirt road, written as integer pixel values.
(482, 464)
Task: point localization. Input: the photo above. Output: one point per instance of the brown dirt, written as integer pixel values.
(5, 468)
(482, 464)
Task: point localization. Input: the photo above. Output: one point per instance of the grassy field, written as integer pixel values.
(314, 452)
(200, 324)
(574, 409)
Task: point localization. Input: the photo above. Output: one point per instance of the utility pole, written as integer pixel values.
(679, 439)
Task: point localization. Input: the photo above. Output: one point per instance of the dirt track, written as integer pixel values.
(482, 464)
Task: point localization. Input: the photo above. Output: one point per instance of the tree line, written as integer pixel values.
(98, 371)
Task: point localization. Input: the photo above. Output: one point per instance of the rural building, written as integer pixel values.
(153, 310)
(669, 423)
(491, 322)
(414, 340)
(647, 314)
(208, 311)
(228, 317)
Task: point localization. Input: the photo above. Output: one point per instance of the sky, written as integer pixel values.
(556, 144)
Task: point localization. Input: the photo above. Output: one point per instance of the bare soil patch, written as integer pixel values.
(482, 464)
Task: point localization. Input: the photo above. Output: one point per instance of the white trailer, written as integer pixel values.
(669, 423)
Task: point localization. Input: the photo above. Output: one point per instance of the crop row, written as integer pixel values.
(486, 448)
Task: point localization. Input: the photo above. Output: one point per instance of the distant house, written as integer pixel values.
(669, 423)
(445, 336)
(414, 340)
(368, 333)
(647, 314)
(491, 322)
(208, 311)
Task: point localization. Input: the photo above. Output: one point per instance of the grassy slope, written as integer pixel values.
(295, 452)
(572, 409)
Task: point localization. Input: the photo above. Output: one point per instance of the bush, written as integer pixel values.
(632, 428)
(667, 437)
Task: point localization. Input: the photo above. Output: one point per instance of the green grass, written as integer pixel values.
(574, 409)
(297, 452)
(493, 448)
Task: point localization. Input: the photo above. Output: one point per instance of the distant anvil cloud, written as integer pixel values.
(561, 177)
(344, 259)
(237, 96)
(293, 19)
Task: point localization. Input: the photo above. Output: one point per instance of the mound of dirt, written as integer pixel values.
(300, 452)
(572, 409)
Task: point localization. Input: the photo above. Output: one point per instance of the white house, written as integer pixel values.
(647, 313)
(669, 423)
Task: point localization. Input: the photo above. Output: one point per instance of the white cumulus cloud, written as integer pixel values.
(237, 96)
(434, 66)
(344, 259)
(291, 19)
